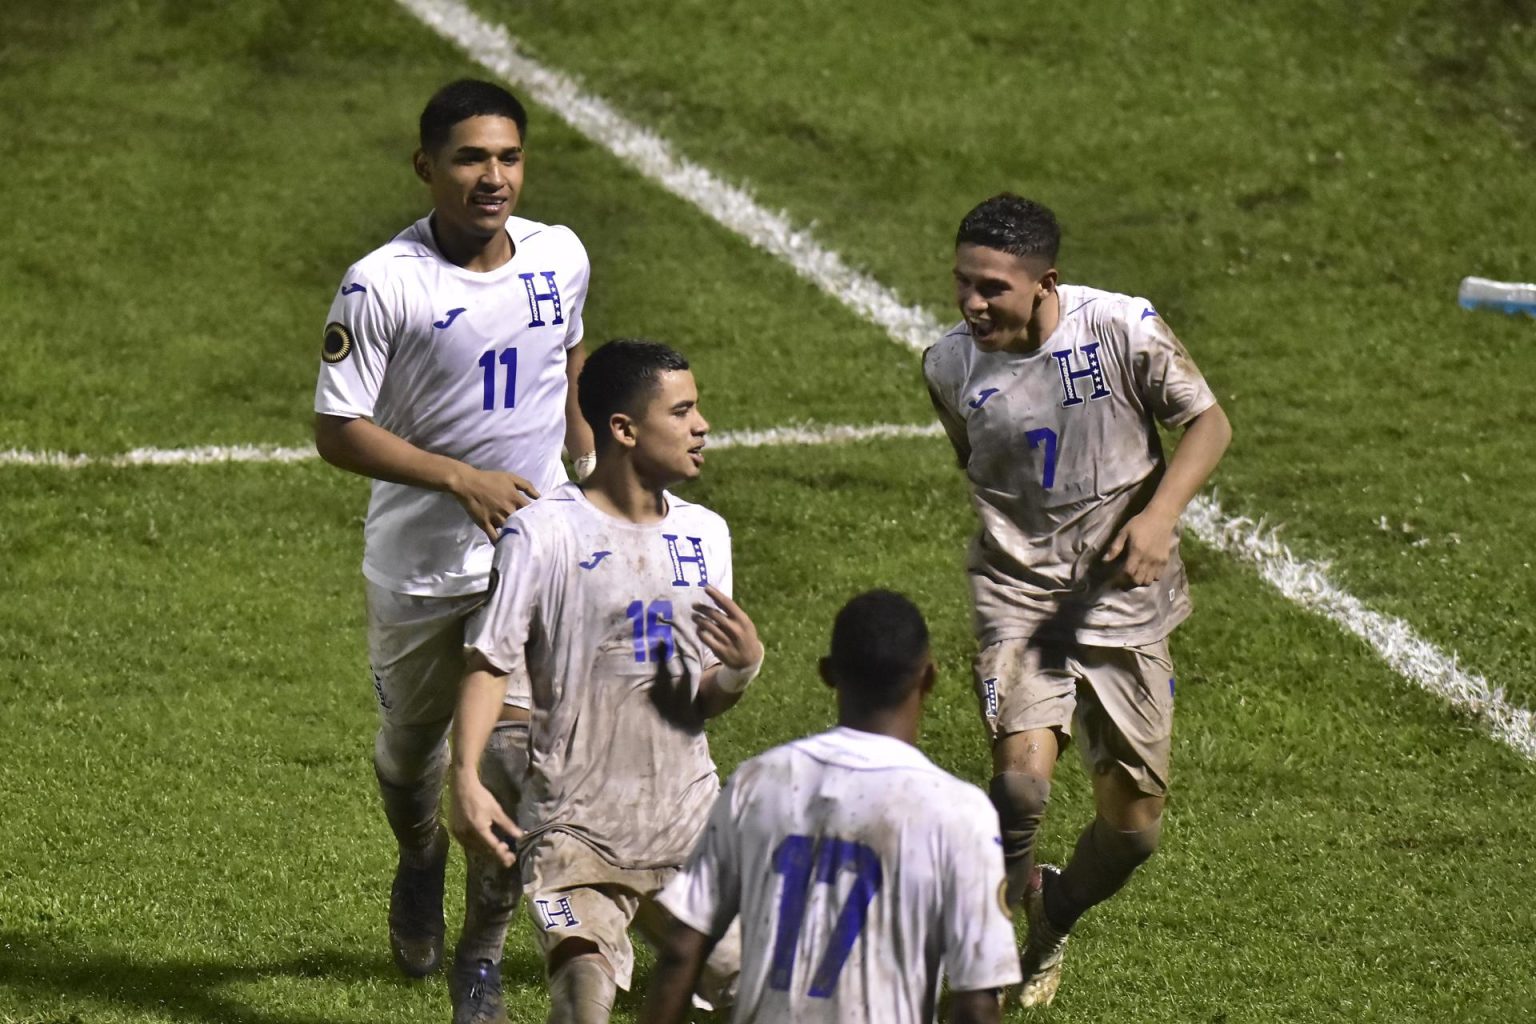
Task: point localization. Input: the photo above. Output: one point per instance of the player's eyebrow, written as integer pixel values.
(481, 152)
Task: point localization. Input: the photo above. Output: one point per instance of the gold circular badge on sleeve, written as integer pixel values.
(337, 344)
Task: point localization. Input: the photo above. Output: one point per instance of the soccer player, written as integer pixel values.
(1051, 395)
(446, 376)
(614, 599)
(862, 873)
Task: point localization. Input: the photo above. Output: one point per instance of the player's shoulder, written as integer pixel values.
(696, 516)
(395, 259)
(948, 360)
(1102, 310)
(554, 238)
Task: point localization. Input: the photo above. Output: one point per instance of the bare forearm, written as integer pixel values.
(578, 436)
(363, 447)
(479, 708)
(975, 1008)
(670, 996)
(1200, 449)
(712, 700)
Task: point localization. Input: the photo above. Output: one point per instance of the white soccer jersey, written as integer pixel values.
(600, 611)
(1064, 449)
(862, 874)
(464, 364)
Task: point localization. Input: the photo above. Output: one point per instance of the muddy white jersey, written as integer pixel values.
(458, 363)
(1061, 448)
(863, 875)
(600, 611)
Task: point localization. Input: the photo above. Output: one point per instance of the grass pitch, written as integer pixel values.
(190, 833)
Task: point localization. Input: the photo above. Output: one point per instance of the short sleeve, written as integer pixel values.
(354, 350)
(979, 947)
(575, 328)
(1167, 377)
(940, 393)
(500, 628)
(706, 894)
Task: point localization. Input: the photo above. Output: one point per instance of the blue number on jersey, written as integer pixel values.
(1047, 436)
(652, 628)
(796, 858)
(488, 361)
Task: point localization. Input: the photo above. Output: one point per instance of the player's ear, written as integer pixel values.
(622, 428)
(1048, 281)
(929, 678)
(824, 669)
(421, 163)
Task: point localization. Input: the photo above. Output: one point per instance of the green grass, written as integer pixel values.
(190, 832)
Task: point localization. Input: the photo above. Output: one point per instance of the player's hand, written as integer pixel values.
(728, 631)
(490, 497)
(478, 820)
(1144, 545)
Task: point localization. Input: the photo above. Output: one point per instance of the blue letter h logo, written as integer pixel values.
(536, 297)
(679, 577)
(1070, 377)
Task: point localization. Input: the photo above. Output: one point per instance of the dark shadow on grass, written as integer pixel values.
(187, 990)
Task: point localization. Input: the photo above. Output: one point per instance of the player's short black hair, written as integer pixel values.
(879, 647)
(463, 99)
(1014, 225)
(621, 376)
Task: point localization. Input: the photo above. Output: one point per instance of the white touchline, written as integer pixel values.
(802, 434)
(732, 206)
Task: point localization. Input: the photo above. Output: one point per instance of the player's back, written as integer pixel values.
(866, 873)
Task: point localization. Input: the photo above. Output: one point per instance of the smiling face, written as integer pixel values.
(475, 178)
(1002, 297)
(668, 434)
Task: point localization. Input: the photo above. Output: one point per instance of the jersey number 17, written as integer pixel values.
(806, 861)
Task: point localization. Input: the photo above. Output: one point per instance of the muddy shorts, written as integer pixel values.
(1116, 701)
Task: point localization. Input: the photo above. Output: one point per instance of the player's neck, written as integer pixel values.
(900, 723)
(472, 252)
(1047, 317)
(616, 489)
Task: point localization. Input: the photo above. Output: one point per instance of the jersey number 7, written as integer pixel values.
(798, 858)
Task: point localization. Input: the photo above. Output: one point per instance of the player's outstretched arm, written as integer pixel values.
(1146, 541)
(982, 1007)
(476, 814)
(728, 631)
(679, 963)
(363, 447)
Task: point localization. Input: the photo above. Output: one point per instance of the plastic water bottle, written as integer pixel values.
(1481, 293)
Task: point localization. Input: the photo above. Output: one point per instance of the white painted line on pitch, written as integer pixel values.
(491, 46)
(1413, 657)
(1305, 583)
(805, 434)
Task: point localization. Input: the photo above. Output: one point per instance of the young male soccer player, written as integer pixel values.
(862, 873)
(446, 376)
(613, 598)
(1051, 395)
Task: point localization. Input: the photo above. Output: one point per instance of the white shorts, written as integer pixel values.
(416, 653)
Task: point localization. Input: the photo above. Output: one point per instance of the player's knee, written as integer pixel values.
(1133, 847)
(405, 754)
(581, 987)
(1020, 799)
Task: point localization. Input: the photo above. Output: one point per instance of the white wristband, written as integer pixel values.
(734, 680)
(584, 465)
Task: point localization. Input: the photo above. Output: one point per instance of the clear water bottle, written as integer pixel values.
(1481, 293)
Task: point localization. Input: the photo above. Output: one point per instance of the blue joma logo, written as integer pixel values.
(981, 399)
(597, 556)
(354, 289)
(447, 321)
